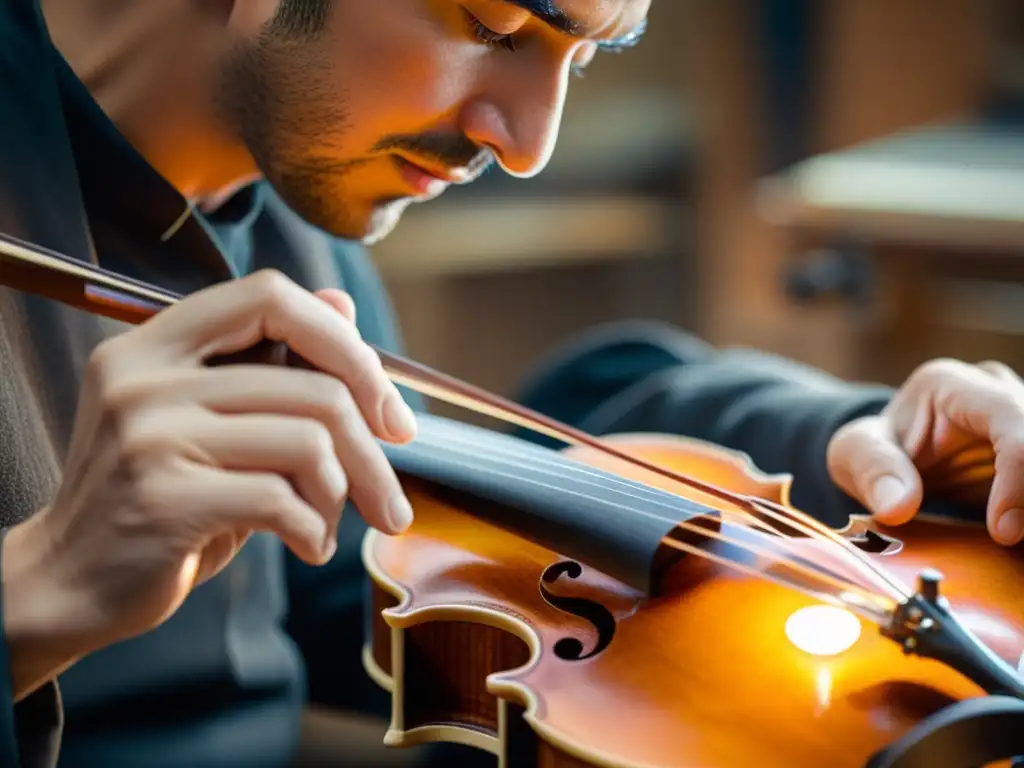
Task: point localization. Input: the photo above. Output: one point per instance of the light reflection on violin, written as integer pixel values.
(666, 578)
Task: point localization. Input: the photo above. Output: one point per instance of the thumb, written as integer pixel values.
(340, 301)
(867, 462)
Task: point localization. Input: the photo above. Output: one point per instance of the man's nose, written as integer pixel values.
(518, 116)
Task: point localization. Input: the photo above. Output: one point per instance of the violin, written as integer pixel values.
(653, 601)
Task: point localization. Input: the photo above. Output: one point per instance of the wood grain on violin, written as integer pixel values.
(641, 601)
(703, 676)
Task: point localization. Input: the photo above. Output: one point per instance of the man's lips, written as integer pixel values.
(428, 181)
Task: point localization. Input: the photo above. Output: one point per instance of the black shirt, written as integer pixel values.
(226, 677)
(224, 680)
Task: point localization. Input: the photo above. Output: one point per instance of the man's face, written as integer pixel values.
(353, 109)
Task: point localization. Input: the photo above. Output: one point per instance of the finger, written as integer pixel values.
(374, 486)
(1002, 372)
(340, 301)
(219, 501)
(978, 403)
(216, 555)
(968, 397)
(301, 450)
(867, 462)
(235, 316)
(1005, 514)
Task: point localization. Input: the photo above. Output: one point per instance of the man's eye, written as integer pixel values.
(488, 36)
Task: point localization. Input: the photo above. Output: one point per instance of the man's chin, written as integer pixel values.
(382, 221)
(367, 221)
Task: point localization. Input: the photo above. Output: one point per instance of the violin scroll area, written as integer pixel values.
(570, 648)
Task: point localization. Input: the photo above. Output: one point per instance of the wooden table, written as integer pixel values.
(953, 188)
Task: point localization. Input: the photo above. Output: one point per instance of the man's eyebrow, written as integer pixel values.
(549, 12)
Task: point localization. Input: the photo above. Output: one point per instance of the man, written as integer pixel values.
(190, 143)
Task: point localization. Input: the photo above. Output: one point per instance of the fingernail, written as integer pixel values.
(399, 420)
(887, 492)
(399, 514)
(1010, 527)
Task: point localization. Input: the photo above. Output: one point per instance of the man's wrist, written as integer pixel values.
(37, 613)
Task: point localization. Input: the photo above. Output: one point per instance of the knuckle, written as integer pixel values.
(368, 377)
(117, 395)
(339, 405)
(119, 401)
(273, 287)
(149, 491)
(372, 365)
(859, 449)
(102, 366)
(338, 486)
(147, 495)
(849, 435)
(276, 497)
(937, 370)
(1001, 371)
(139, 444)
(1012, 454)
(318, 442)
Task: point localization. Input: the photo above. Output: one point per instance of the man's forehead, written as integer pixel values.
(617, 21)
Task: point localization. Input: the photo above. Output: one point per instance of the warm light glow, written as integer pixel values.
(822, 630)
(823, 688)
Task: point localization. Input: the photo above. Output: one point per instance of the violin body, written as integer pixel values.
(486, 639)
(486, 633)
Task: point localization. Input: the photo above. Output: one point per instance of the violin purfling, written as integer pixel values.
(654, 601)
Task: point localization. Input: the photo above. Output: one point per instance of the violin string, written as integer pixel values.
(810, 525)
(879, 580)
(416, 381)
(473, 452)
(401, 371)
(880, 618)
(799, 520)
(819, 531)
(455, 444)
(837, 582)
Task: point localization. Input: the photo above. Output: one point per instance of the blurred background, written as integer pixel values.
(837, 181)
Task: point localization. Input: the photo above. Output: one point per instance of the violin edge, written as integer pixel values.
(513, 698)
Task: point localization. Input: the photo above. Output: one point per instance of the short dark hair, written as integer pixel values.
(301, 18)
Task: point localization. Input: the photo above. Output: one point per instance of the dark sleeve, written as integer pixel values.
(328, 609)
(29, 730)
(643, 377)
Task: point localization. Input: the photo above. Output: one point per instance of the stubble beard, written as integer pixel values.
(274, 95)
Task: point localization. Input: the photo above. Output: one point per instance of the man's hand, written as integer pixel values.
(953, 429)
(173, 463)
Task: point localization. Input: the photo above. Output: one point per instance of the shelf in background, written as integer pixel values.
(959, 187)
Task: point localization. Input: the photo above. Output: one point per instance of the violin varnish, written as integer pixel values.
(446, 668)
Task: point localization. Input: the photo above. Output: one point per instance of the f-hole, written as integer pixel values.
(875, 543)
(569, 648)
